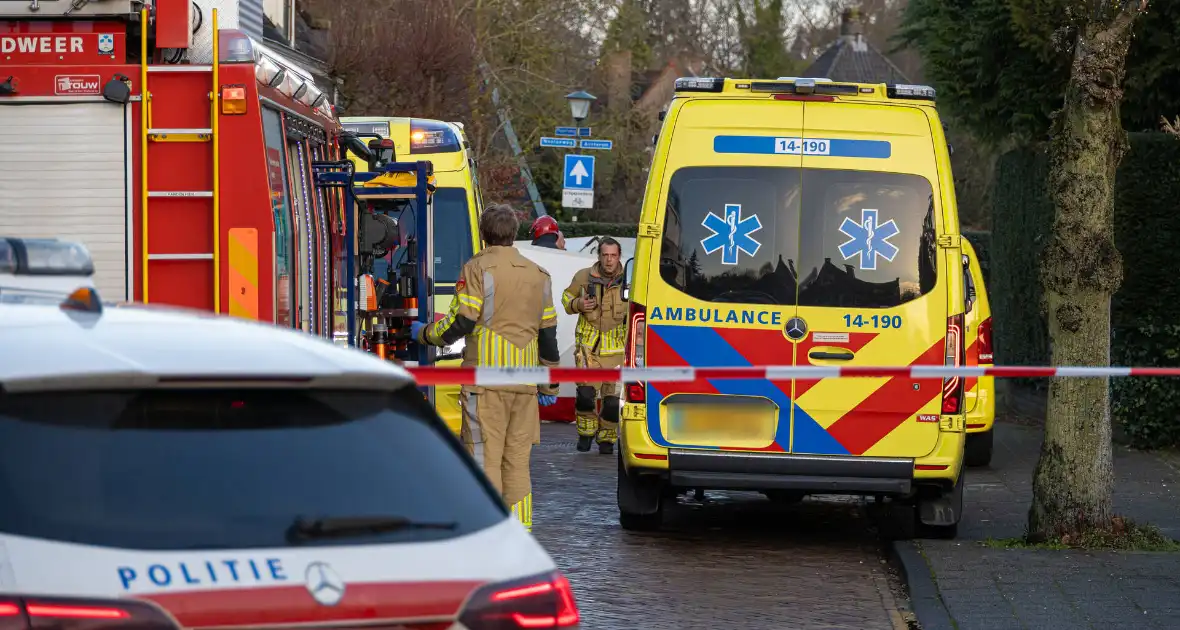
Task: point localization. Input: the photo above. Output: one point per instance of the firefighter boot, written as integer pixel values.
(523, 511)
(608, 428)
(584, 407)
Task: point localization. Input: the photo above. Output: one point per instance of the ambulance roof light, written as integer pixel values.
(920, 92)
(235, 46)
(700, 84)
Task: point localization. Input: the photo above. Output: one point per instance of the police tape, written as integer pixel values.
(434, 375)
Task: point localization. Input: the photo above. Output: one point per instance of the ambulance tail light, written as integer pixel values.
(543, 601)
(952, 388)
(635, 346)
(984, 349)
(40, 613)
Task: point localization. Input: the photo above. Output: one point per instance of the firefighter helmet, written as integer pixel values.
(542, 226)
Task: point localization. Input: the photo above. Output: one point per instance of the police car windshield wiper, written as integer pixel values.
(345, 526)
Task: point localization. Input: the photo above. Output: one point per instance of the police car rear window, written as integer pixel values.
(226, 469)
(785, 236)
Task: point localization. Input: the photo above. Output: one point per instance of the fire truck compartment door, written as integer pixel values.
(63, 175)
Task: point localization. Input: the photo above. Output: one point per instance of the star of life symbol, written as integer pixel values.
(324, 585)
(868, 239)
(731, 234)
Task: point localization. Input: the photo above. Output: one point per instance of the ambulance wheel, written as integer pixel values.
(939, 516)
(640, 499)
(979, 448)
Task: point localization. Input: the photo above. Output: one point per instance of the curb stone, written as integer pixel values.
(924, 599)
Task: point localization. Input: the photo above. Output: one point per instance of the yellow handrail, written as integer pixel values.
(145, 102)
(215, 113)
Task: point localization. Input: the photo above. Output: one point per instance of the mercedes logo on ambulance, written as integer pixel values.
(324, 585)
(796, 328)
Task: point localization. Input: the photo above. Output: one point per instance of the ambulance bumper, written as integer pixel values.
(834, 474)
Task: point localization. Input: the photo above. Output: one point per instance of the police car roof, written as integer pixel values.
(49, 348)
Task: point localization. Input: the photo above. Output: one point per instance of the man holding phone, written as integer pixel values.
(595, 296)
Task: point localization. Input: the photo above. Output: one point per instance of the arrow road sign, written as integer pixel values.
(603, 145)
(579, 172)
(566, 131)
(560, 143)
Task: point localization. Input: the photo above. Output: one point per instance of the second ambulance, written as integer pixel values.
(798, 222)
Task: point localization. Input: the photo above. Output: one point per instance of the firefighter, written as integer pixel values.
(595, 295)
(503, 305)
(546, 233)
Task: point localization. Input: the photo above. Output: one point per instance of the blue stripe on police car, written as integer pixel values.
(254, 571)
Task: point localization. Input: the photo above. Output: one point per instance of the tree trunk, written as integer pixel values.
(1080, 270)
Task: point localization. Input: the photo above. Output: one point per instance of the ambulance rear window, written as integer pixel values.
(868, 239)
(812, 237)
(231, 469)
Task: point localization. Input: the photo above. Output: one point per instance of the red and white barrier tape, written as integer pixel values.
(432, 375)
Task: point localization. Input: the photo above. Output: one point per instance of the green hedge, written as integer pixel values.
(588, 228)
(1146, 322)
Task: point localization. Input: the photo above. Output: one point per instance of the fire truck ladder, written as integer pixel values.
(150, 135)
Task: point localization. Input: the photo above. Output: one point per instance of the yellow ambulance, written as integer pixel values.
(981, 392)
(457, 205)
(798, 222)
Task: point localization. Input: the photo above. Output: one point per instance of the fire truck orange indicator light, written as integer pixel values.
(233, 99)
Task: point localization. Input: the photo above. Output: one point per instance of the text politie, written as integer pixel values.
(235, 571)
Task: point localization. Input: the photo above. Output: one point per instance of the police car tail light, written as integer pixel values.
(543, 601)
(952, 388)
(71, 614)
(985, 342)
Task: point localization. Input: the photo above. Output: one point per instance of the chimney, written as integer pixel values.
(852, 29)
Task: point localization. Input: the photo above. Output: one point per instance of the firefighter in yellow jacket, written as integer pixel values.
(503, 306)
(595, 295)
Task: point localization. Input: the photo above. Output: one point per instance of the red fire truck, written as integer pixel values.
(178, 151)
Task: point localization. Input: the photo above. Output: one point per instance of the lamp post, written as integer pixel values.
(579, 108)
(580, 104)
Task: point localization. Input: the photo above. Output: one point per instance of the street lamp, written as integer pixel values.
(580, 104)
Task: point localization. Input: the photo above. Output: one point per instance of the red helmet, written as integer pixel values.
(542, 226)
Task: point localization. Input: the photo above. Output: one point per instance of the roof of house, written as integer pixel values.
(851, 58)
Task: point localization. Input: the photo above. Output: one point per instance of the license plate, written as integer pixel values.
(725, 421)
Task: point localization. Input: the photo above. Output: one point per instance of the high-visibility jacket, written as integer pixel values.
(602, 330)
(503, 306)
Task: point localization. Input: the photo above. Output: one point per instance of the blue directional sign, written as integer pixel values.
(579, 172)
(566, 131)
(601, 145)
(583, 132)
(559, 143)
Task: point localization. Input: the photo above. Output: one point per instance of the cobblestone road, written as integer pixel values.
(736, 561)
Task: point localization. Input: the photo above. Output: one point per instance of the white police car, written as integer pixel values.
(163, 469)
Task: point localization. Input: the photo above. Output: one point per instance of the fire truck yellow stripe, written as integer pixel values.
(243, 272)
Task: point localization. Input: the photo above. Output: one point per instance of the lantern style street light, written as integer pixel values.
(580, 104)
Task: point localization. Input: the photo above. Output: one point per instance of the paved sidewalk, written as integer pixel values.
(997, 589)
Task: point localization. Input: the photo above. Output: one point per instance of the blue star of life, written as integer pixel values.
(868, 240)
(731, 234)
